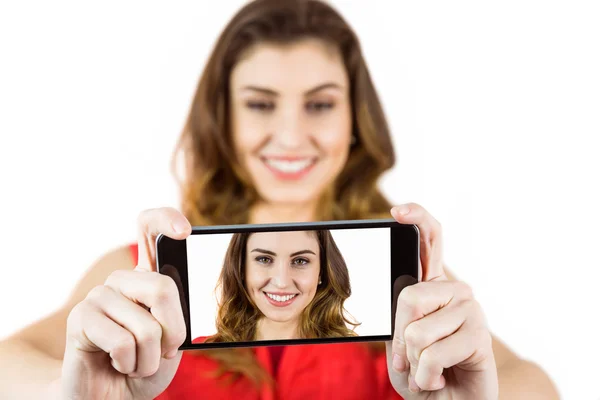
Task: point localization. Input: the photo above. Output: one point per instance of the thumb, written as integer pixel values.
(167, 221)
(430, 238)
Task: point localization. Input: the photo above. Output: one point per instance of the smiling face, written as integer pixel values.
(291, 119)
(282, 273)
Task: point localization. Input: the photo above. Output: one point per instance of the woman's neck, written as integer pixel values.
(268, 213)
(272, 330)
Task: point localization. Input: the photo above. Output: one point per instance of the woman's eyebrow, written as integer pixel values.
(264, 251)
(302, 252)
(327, 85)
(260, 89)
(272, 92)
(257, 250)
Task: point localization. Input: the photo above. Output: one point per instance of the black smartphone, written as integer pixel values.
(296, 283)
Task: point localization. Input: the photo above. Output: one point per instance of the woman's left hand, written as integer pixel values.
(441, 348)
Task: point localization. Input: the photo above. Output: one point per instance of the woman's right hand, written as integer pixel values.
(123, 339)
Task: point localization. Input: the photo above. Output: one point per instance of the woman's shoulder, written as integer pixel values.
(120, 258)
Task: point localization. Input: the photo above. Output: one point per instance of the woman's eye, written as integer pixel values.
(300, 261)
(319, 106)
(260, 105)
(263, 260)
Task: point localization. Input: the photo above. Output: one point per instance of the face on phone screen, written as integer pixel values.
(265, 287)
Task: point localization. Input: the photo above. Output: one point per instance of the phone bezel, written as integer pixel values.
(404, 246)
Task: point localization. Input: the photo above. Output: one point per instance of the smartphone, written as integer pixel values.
(297, 283)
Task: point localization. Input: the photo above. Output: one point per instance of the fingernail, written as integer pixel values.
(402, 210)
(412, 385)
(398, 363)
(180, 226)
(116, 365)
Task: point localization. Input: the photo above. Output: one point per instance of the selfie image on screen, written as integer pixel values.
(255, 286)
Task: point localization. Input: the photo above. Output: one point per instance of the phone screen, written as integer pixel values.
(286, 284)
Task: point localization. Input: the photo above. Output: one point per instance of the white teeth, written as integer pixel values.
(289, 166)
(280, 298)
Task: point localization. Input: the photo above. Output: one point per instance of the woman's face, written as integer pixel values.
(291, 119)
(282, 273)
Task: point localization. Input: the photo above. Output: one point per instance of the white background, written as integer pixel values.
(494, 108)
(368, 268)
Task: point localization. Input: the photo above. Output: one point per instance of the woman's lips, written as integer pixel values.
(280, 300)
(289, 168)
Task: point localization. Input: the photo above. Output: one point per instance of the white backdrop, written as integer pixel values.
(494, 108)
(365, 251)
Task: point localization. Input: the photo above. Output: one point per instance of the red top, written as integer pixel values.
(276, 352)
(317, 371)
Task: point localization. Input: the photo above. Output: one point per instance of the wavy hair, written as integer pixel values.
(215, 189)
(324, 317)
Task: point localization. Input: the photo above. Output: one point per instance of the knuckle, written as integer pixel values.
(143, 217)
(483, 338)
(410, 299)
(151, 333)
(414, 205)
(426, 381)
(429, 359)
(97, 294)
(114, 276)
(164, 289)
(468, 306)
(429, 370)
(76, 318)
(474, 309)
(482, 344)
(398, 343)
(123, 345)
(463, 289)
(178, 338)
(409, 296)
(414, 335)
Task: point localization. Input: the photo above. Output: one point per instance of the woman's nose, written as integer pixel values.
(281, 276)
(290, 131)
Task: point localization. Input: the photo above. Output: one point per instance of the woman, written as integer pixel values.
(285, 126)
(282, 285)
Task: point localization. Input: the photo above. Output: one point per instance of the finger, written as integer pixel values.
(430, 233)
(153, 222)
(430, 329)
(468, 347)
(397, 369)
(91, 330)
(436, 326)
(159, 293)
(145, 329)
(417, 301)
(412, 384)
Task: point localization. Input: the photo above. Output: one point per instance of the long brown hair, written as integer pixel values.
(216, 190)
(324, 317)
